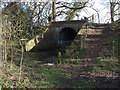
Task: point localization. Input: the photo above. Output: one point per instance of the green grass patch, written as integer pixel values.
(110, 65)
(114, 42)
(10, 77)
(72, 61)
(43, 76)
(106, 65)
(54, 77)
(84, 84)
(34, 75)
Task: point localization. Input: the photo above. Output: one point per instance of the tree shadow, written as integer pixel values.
(96, 48)
(82, 74)
(43, 56)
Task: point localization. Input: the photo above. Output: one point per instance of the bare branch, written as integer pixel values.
(8, 7)
(75, 8)
(97, 14)
(60, 13)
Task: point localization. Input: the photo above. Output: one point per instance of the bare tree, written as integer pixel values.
(19, 25)
(112, 7)
(113, 4)
(70, 9)
(54, 11)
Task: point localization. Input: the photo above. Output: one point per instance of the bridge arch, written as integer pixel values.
(66, 36)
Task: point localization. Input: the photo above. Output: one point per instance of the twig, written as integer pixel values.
(21, 61)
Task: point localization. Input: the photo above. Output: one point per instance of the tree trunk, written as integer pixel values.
(54, 11)
(11, 57)
(112, 6)
(21, 61)
(1, 41)
(5, 52)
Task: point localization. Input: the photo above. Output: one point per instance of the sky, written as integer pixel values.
(99, 11)
(101, 6)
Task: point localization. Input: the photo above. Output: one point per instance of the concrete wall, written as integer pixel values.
(52, 36)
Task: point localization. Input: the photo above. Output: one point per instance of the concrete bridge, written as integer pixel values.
(59, 34)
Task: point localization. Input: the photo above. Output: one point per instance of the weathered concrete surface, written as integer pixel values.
(56, 35)
(33, 42)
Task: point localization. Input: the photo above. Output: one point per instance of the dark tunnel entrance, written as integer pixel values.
(66, 36)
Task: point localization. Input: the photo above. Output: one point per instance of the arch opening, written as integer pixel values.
(66, 36)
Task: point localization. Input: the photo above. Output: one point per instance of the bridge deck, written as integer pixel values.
(60, 23)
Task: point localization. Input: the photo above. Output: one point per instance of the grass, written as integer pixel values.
(10, 77)
(43, 76)
(106, 65)
(84, 84)
(34, 75)
(37, 75)
(72, 62)
(114, 42)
